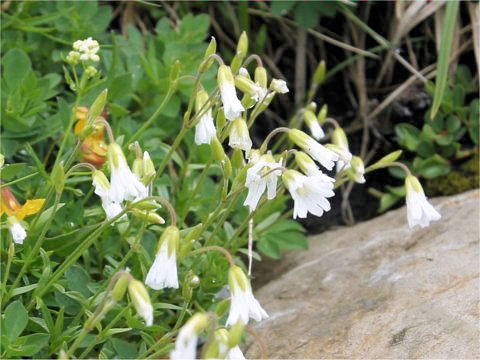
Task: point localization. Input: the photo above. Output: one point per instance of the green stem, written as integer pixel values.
(171, 90)
(19, 180)
(7, 270)
(102, 333)
(74, 256)
(170, 152)
(202, 178)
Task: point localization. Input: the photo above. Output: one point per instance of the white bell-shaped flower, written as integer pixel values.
(239, 137)
(309, 193)
(232, 107)
(419, 210)
(316, 150)
(205, 129)
(243, 304)
(163, 272)
(186, 343)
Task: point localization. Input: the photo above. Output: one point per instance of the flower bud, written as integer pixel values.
(120, 287)
(247, 86)
(137, 167)
(279, 86)
(322, 115)
(212, 48)
(312, 107)
(235, 334)
(90, 71)
(237, 159)
(385, 161)
(319, 74)
(151, 217)
(148, 168)
(239, 137)
(261, 76)
(357, 170)
(217, 149)
(98, 105)
(222, 307)
(8, 202)
(220, 121)
(227, 167)
(58, 177)
(141, 300)
(339, 138)
(171, 236)
(73, 58)
(242, 46)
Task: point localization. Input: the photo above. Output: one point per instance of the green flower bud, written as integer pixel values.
(220, 121)
(97, 107)
(120, 287)
(242, 46)
(322, 115)
(261, 76)
(237, 159)
(141, 300)
(175, 71)
(235, 334)
(319, 74)
(151, 217)
(339, 138)
(217, 149)
(222, 307)
(58, 177)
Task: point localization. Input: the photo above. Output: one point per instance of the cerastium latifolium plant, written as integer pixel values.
(182, 289)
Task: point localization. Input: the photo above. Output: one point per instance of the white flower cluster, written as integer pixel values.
(84, 50)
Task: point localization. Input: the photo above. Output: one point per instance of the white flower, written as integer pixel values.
(340, 146)
(257, 180)
(239, 138)
(235, 354)
(279, 86)
(316, 150)
(309, 193)
(313, 124)
(357, 170)
(18, 232)
(258, 93)
(186, 343)
(205, 129)
(244, 72)
(112, 209)
(243, 304)
(163, 272)
(141, 300)
(88, 49)
(124, 185)
(419, 210)
(232, 107)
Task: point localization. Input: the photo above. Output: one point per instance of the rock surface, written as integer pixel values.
(379, 290)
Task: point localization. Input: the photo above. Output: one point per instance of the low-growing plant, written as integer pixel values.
(90, 225)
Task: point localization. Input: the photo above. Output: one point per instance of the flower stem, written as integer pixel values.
(269, 137)
(215, 248)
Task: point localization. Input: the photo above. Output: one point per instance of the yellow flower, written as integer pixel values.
(10, 206)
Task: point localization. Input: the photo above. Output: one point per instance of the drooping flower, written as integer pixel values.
(186, 343)
(232, 107)
(309, 193)
(124, 185)
(260, 177)
(163, 272)
(419, 210)
(340, 141)
(221, 338)
(279, 86)
(93, 149)
(141, 300)
(102, 189)
(239, 138)
(252, 89)
(357, 171)
(205, 129)
(243, 304)
(314, 126)
(316, 150)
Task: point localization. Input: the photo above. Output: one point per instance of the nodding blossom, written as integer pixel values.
(141, 300)
(261, 176)
(163, 272)
(239, 138)
(205, 129)
(186, 343)
(124, 185)
(309, 193)
(243, 304)
(232, 107)
(279, 86)
(316, 150)
(419, 210)
(314, 126)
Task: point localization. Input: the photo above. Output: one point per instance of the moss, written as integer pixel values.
(466, 177)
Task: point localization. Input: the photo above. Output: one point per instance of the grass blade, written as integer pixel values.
(444, 55)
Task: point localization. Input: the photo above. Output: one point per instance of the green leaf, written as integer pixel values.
(78, 279)
(124, 349)
(474, 121)
(387, 201)
(444, 55)
(16, 66)
(120, 87)
(306, 16)
(408, 136)
(433, 167)
(281, 8)
(15, 320)
(28, 345)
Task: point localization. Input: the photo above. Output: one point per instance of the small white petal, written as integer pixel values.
(163, 272)
(232, 107)
(18, 233)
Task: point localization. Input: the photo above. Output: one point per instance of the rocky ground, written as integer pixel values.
(378, 290)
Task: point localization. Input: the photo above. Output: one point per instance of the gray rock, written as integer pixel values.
(379, 290)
